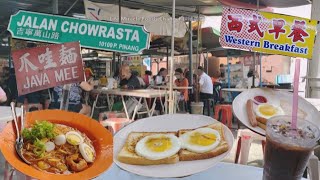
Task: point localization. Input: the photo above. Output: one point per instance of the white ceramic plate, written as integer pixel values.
(172, 122)
(279, 98)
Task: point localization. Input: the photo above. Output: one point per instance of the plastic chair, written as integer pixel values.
(226, 116)
(245, 138)
(115, 123)
(313, 168)
(94, 106)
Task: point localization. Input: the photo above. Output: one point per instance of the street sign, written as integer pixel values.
(267, 32)
(47, 66)
(110, 36)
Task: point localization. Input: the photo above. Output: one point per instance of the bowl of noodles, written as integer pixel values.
(59, 145)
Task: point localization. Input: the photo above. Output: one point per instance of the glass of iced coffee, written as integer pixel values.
(287, 149)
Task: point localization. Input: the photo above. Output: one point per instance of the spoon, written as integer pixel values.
(19, 140)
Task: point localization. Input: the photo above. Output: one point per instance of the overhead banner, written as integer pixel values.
(47, 66)
(156, 23)
(124, 38)
(267, 32)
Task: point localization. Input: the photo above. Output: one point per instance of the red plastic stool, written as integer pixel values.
(226, 117)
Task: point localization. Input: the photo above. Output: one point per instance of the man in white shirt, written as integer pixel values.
(206, 88)
(205, 82)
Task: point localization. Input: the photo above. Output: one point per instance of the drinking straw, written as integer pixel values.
(295, 94)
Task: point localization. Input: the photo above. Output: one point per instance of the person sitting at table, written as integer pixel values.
(33, 100)
(206, 86)
(3, 96)
(160, 79)
(128, 80)
(75, 100)
(147, 78)
(142, 83)
(181, 81)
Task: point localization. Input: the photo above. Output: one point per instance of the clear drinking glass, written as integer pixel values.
(288, 150)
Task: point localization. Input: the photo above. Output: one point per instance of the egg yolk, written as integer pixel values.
(73, 139)
(267, 110)
(89, 153)
(159, 144)
(202, 139)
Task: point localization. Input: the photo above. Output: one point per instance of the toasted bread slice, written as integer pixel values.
(128, 155)
(185, 155)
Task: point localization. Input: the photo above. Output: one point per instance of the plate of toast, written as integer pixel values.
(254, 107)
(175, 145)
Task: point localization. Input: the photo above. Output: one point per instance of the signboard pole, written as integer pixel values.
(171, 103)
(64, 104)
(190, 55)
(228, 63)
(313, 73)
(260, 59)
(254, 69)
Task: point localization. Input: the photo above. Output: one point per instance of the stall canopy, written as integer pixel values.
(155, 23)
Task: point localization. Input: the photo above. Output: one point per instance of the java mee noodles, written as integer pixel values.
(57, 148)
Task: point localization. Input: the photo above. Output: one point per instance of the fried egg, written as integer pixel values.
(158, 146)
(200, 140)
(268, 110)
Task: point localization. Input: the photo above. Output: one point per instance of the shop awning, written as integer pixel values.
(155, 23)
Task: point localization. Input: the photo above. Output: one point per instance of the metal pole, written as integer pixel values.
(55, 6)
(64, 104)
(313, 73)
(258, 7)
(254, 69)
(229, 80)
(190, 55)
(114, 62)
(119, 56)
(9, 57)
(171, 103)
(167, 57)
(75, 2)
(119, 11)
(260, 58)
(198, 38)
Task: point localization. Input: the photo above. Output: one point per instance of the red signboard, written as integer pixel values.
(48, 66)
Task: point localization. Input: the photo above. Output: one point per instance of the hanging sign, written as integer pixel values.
(267, 32)
(47, 66)
(124, 38)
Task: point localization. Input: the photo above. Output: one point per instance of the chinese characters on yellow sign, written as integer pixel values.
(267, 32)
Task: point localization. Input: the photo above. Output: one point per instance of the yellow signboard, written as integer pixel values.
(267, 32)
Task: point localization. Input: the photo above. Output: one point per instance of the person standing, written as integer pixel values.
(205, 82)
